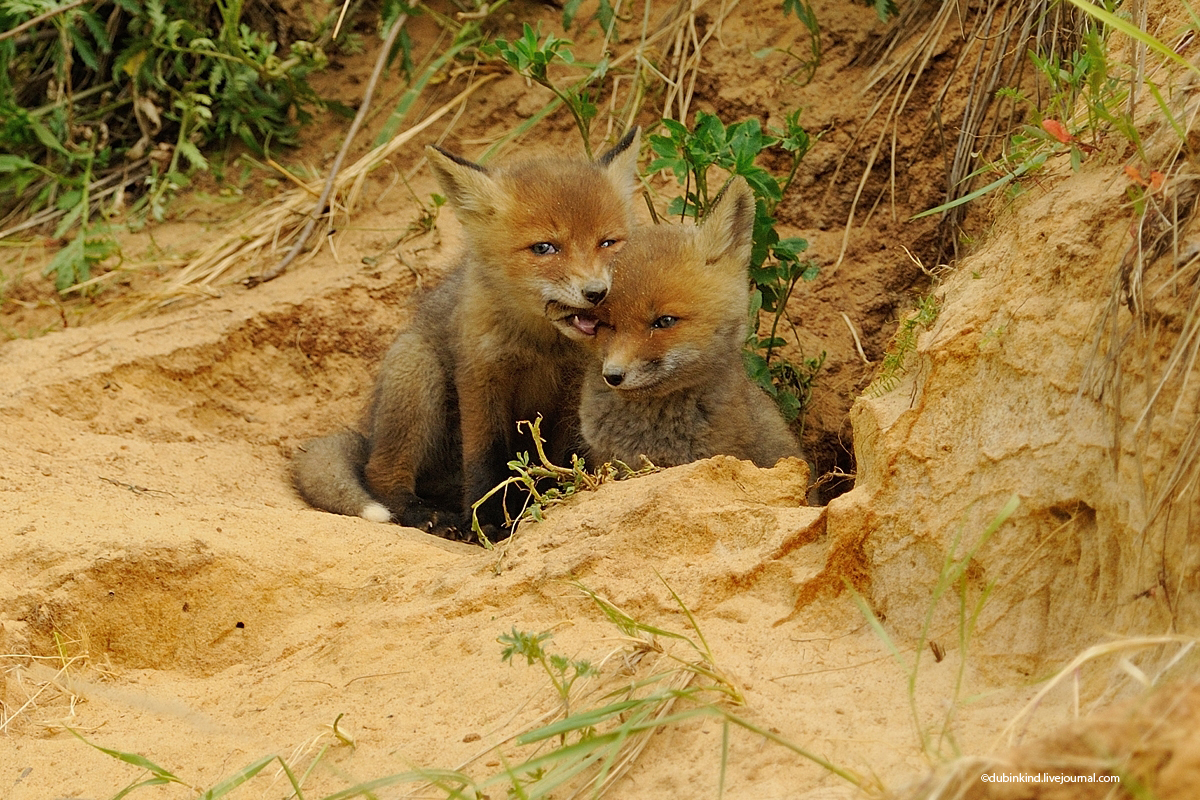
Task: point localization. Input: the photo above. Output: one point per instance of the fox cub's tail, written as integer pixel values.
(328, 474)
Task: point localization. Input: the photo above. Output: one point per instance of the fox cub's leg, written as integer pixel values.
(488, 444)
(409, 431)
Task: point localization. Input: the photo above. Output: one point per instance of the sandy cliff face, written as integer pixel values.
(1038, 381)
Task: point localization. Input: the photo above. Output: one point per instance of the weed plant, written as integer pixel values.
(98, 98)
(895, 361)
(531, 56)
(548, 484)
(776, 264)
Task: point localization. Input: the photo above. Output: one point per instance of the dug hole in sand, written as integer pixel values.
(163, 591)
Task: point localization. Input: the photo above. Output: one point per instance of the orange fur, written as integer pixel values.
(496, 342)
(668, 380)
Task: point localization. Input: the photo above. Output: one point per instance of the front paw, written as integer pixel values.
(426, 518)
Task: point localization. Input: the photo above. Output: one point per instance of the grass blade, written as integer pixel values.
(1134, 32)
(131, 758)
(1032, 163)
(229, 784)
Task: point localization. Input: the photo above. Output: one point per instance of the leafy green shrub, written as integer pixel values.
(776, 265)
(531, 57)
(97, 97)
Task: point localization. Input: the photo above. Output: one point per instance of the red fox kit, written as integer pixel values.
(670, 383)
(496, 342)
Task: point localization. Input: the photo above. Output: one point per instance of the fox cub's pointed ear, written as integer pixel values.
(727, 231)
(621, 162)
(471, 190)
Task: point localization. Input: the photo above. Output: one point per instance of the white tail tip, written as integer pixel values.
(374, 512)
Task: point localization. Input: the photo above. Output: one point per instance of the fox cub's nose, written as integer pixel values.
(595, 292)
(613, 377)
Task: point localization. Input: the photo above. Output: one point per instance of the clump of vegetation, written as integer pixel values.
(548, 484)
(104, 101)
(776, 264)
(562, 671)
(1082, 96)
(531, 57)
(903, 345)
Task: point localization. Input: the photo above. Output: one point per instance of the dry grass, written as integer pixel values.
(1146, 343)
(30, 684)
(1131, 741)
(995, 40)
(276, 222)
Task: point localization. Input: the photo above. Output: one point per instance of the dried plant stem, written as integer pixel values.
(40, 18)
(323, 201)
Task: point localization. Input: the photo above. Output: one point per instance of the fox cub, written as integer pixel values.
(496, 342)
(670, 383)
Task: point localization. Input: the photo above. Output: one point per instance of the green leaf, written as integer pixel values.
(139, 784)
(791, 246)
(47, 138)
(1032, 163)
(884, 8)
(84, 49)
(570, 9)
(192, 155)
(788, 403)
(130, 758)
(605, 15)
(99, 34)
(757, 369)
(10, 163)
(229, 784)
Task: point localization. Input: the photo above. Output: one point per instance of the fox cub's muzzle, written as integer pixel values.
(613, 377)
(595, 292)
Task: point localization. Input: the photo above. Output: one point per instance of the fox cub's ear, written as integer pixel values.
(727, 230)
(621, 162)
(471, 190)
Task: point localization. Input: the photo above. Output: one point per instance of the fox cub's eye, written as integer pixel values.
(663, 322)
(608, 243)
(543, 249)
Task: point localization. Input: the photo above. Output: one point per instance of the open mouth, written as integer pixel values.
(584, 323)
(574, 322)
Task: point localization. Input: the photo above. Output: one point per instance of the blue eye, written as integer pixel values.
(665, 321)
(543, 249)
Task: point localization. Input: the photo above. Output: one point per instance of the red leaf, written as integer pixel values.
(1134, 174)
(1057, 130)
(1157, 179)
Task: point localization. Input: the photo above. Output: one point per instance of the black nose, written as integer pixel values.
(614, 378)
(595, 293)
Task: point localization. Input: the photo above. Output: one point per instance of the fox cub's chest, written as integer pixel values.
(669, 431)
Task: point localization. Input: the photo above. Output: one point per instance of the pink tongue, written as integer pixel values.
(585, 324)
